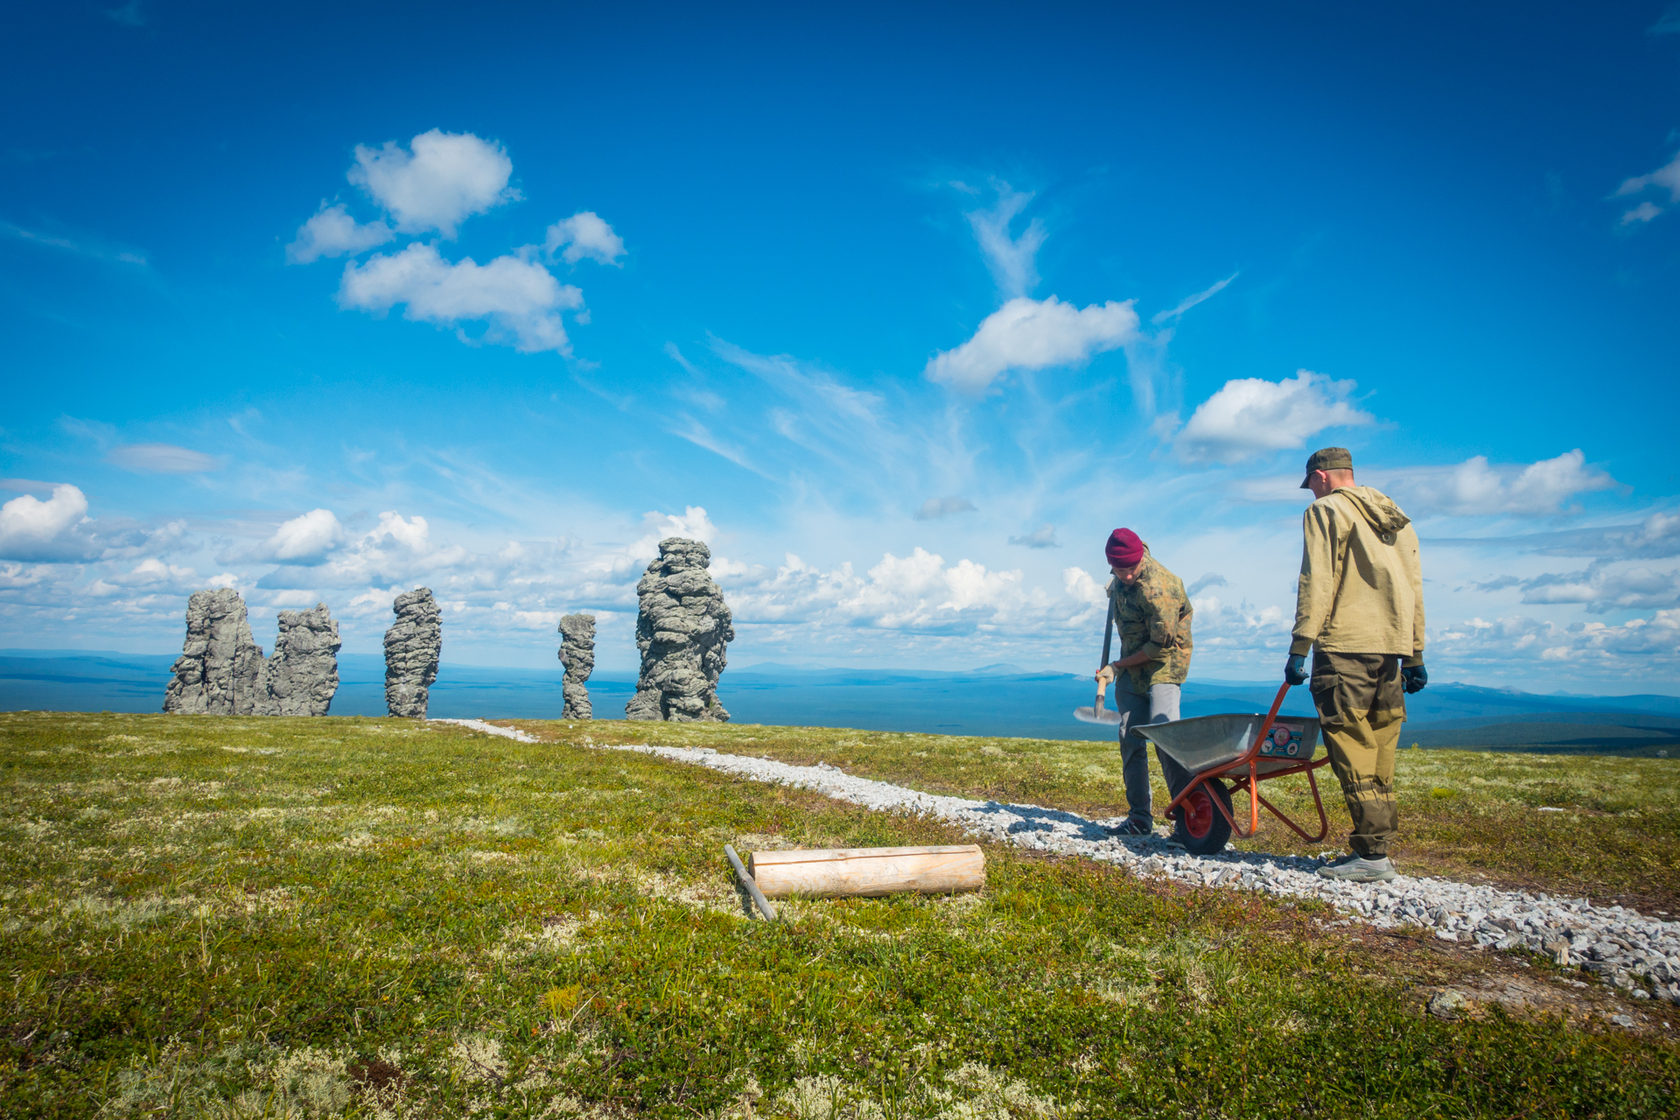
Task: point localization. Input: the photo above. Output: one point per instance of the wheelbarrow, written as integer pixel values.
(1243, 751)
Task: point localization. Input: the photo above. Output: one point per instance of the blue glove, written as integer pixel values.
(1295, 669)
(1414, 677)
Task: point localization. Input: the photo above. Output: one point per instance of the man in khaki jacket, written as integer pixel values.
(1359, 610)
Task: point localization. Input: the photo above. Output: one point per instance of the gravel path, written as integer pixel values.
(1621, 946)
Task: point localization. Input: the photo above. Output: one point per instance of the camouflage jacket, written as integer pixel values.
(1153, 616)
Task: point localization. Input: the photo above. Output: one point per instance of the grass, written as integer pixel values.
(208, 916)
(1609, 829)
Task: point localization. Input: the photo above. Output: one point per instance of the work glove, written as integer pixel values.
(1414, 677)
(1295, 669)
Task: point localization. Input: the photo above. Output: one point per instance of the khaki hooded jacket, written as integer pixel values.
(1361, 588)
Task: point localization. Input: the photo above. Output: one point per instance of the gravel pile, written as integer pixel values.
(1620, 946)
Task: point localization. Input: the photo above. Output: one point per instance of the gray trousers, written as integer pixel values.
(1158, 705)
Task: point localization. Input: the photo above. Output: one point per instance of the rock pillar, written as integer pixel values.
(577, 654)
(682, 630)
(412, 645)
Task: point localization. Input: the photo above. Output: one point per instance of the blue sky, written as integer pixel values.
(901, 310)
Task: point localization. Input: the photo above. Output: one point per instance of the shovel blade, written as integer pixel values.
(1097, 715)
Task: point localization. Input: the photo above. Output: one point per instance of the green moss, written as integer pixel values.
(206, 916)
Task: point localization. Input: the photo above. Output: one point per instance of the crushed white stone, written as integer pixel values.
(1622, 947)
(490, 729)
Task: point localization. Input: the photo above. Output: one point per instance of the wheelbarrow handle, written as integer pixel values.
(1266, 728)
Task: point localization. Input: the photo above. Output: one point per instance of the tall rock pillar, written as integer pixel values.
(577, 654)
(412, 645)
(221, 670)
(303, 673)
(682, 629)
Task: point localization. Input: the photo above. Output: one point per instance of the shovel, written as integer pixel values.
(1097, 713)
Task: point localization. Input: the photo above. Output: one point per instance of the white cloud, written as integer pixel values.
(152, 575)
(1009, 258)
(1665, 178)
(1658, 535)
(1478, 487)
(584, 234)
(161, 458)
(31, 529)
(1593, 650)
(520, 301)
(306, 538)
(918, 593)
(1032, 334)
(446, 178)
(1042, 537)
(1606, 587)
(411, 534)
(1251, 416)
(332, 232)
(935, 508)
(396, 552)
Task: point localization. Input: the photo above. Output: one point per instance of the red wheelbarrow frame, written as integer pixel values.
(1249, 782)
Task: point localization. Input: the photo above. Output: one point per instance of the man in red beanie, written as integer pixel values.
(1153, 615)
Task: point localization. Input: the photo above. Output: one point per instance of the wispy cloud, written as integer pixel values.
(1664, 179)
(160, 458)
(935, 508)
(130, 14)
(692, 430)
(1202, 296)
(80, 246)
(1042, 537)
(1011, 258)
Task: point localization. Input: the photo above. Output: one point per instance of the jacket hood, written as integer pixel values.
(1377, 508)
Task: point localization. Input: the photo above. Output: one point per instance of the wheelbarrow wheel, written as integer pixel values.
(1199, 825)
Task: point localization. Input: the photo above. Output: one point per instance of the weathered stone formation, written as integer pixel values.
(303, 673)
(682, 629)
(221, 670)
(412, 645)
(577, 654)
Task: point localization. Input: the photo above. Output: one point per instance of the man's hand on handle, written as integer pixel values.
(1295, 669)
(1105, 675)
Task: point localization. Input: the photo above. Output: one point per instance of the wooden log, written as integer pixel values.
(869, 872)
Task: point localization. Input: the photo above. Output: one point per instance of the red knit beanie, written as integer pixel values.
(1123, 549)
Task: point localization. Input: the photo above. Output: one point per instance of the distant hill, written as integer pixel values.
(996, 700)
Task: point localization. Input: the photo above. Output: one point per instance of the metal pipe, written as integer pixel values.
(758, 898)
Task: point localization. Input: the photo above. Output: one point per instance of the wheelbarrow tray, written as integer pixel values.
(1243, 750)
(1209, 742)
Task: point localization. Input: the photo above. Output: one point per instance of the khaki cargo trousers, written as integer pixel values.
(1361, 706)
